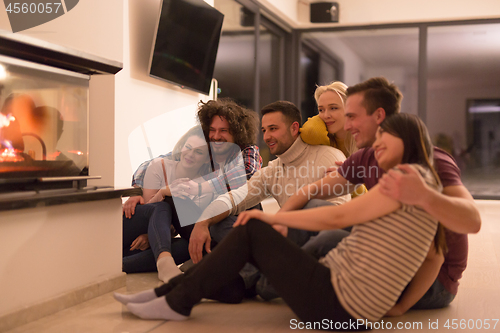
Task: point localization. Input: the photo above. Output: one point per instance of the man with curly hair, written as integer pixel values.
(232, 132)
(223, 117)
(297, 164)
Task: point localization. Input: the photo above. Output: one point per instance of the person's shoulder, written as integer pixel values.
(329, 152)
(314, 132)
(158, 161)
(324, 149)
(363, 156)
(441, 155)
(443, 159)
(447, 168)
(364, 153)
(250, 150)
(426, 174)
(272, 164)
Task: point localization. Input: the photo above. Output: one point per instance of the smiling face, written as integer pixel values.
(277, 134)
(389, 149)
(194, 153)
(220, 137)
(331, 111)
(361, 125)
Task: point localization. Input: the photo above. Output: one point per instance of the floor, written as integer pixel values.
(477, 303)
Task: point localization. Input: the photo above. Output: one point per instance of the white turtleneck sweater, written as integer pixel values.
(300, 165)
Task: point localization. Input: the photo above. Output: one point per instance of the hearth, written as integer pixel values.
(44, 113)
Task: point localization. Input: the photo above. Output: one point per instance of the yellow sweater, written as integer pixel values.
(314, 132)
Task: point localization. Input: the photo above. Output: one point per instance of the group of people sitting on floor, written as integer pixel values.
(373, 218)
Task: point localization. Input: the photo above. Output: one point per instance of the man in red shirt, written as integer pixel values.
(436, 283)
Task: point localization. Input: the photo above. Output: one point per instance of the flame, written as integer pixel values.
(77, 152)
(5, 120)
(9, 154)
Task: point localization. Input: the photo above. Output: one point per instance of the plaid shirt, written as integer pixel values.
(230, 173)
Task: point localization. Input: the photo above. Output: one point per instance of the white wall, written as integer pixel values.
(101, 129)
(141, 99)
(361, 12)
(382, 11)
(47, 251)
(92, 26)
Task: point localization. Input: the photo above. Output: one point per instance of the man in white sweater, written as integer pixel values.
(297, 165)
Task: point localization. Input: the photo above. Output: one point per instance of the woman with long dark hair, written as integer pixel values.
(359, 280)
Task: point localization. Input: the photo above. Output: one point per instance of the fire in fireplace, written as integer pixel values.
(43, 121)
(9, 153)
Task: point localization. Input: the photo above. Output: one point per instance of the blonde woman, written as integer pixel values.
(327, 127)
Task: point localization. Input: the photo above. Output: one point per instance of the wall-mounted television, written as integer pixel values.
(186, 43)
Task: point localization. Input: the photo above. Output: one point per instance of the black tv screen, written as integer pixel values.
(186, 43)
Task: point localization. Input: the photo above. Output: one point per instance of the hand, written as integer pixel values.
(395, 311)
(408, 188)
(281, 229)
(129, 205)
(199, 236)
(245, 216)
(333, 168)
(183, 187)
(141, 243)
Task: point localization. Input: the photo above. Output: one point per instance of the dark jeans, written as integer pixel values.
(303, 283)
(155, 220)
(435, 298)
(165, 215)
(135, 226)
(144, 261)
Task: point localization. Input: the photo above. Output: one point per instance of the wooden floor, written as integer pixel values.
(478, 303)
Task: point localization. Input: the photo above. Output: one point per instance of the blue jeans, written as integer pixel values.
(436, 297)
(220, 230)
(319, 246)
(155, 220)
(144, 261)
(163, 217)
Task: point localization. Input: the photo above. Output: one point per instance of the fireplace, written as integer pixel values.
(44, 113)
(43, 121)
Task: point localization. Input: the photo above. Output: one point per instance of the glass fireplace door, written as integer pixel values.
(43, 121)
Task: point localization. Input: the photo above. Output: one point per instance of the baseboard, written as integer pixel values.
(61, 302)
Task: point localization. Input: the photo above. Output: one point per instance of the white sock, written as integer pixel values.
(167, 269)
(155, 309)
(142, 297)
